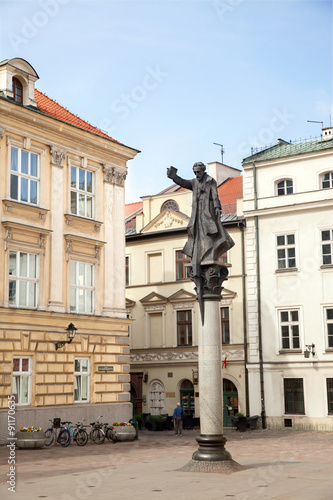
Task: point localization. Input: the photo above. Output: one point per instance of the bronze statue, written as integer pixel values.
(207, 238)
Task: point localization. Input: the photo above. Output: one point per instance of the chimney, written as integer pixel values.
(327, 133)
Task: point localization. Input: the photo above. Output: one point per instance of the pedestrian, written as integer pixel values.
(177, 419)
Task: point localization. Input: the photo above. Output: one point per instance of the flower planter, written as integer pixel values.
(30, 439)
(125, 432)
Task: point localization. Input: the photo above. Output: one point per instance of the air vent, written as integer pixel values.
(288, 422)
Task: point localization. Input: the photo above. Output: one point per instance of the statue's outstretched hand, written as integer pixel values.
(171, 172)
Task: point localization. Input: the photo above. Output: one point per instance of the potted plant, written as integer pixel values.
(30, 437)
(124, 431)
(155, 422)
(139, 418)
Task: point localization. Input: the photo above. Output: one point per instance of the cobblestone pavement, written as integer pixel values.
(284, 465)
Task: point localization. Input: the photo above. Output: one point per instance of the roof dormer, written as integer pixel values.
(17, 81)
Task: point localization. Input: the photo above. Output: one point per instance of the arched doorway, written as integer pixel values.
(230, 402)
(187, 397)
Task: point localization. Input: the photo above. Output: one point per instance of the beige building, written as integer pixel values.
(162, 302)
(62, 239)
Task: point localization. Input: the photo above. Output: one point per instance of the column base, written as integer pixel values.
(211, 448)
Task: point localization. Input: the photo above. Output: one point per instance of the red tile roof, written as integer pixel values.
(53, 109)
(130, 208)
(231, 190)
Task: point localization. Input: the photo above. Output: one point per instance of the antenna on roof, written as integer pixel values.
(314, 121)
(222, 150)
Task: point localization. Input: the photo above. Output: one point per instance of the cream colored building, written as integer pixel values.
(288, 202)
(162, 302)
(63, 248)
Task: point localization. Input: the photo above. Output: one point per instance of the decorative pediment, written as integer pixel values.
(227, 295)
(168, 219)
(182, 296)
(153, 298)
(130, 303)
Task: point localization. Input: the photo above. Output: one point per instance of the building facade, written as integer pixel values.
(162, 302)
(288, 201)
(63, 247)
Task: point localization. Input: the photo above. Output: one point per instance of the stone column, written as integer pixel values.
(211, 440)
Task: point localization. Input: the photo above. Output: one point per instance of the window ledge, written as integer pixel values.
(287, 270)
(326, 266)
(83, 220)
(329, 349)
(12, 205)
(290, 351)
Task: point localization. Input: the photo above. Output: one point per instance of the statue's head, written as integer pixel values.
(199, 169)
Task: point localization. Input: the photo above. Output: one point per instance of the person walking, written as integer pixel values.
(177, 419)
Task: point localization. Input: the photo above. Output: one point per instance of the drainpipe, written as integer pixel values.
(261, 361)
(247, 399)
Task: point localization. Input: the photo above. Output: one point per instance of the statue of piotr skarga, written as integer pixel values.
(207, 238)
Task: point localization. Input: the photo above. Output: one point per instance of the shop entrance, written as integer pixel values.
(230, 402)
(187, 397)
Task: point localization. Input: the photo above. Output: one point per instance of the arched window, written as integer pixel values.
(285, 187)
(170, 205)
(327, 180)
(17, 91)
(156, 397)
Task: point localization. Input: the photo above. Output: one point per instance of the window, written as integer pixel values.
(155, 267)
(327, 246)
(182, 271)
(327, 180)
(82, 192)
(82, 379)
(81, 287)
(170, 205)
(23, 279)
(223, 258)
(225, 325)
(329, 386)
(286, 251)
(293, 396)
(285, 187)
(184, 328)
(24, 171)
(289, 328)
(22, 380)
(127, 270)
(17, 91)
(329, 326)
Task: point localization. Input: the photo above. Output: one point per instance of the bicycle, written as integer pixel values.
(62, 436)
(97, 433)
(79, 434)
(110, 433)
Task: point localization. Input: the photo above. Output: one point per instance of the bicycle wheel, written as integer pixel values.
(64, 438)
(49, 433)
(111, 435)
(98, 436)
(81, 437)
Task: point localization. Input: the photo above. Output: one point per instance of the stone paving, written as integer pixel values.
(283, 465)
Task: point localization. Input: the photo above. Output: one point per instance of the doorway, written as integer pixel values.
(230, 402)
(187, 397)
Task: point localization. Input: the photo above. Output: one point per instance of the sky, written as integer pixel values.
(172, 77)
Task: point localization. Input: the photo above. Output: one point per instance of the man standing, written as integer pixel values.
(177, 419)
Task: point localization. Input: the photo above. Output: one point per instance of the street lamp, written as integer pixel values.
(309, 349)
(71, 330)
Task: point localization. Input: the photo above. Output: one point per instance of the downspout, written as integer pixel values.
(247, 399)
(261, 361)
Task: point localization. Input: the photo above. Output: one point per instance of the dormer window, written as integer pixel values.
(327, 180)
(17, 91)
(170, 205)
(285, 187)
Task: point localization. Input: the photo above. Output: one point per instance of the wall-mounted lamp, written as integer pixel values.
(309, 349)
(145, 377)
(71, 330)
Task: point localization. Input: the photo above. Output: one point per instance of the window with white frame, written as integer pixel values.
(82, 192)
(225, 324)
(290, 329)
(327, 180)
(82, 380)
(81, 287)
(23, 279)
(329, 325)
(184, 327)
(21, 387)
(24, 175)
(327, 246)
(284, 187)
(286, 251)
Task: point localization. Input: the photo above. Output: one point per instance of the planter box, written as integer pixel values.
(125, 432)
(30, 439)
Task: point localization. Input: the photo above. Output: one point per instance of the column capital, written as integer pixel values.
(58, 155)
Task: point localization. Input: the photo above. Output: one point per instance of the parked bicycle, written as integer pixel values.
(57, 433)
(79, 434)
(97, 433)
(110, 433)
